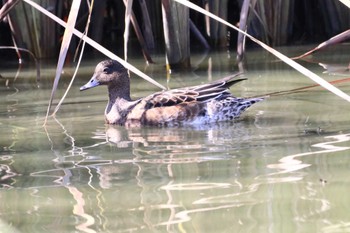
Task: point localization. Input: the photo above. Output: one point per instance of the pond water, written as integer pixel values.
(282, 167)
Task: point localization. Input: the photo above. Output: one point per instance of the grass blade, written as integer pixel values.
(5, 9)
(37, 64)
(128, 11)
(243, 19)
(138, 33)
(79, 60)
(345, 2)
(334, 40)
(96, 45)
(279, 55)
(299, 89)
(72, 18)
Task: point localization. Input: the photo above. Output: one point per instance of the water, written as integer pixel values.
(283, 167)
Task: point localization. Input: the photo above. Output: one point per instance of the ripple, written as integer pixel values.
(293, 163)
(195, 186)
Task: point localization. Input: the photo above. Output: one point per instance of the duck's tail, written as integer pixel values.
(245, 103)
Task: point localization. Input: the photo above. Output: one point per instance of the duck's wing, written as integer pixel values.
(200, 93)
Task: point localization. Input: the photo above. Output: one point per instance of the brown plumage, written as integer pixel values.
(200, 104)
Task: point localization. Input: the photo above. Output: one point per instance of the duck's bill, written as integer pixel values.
(92, 83)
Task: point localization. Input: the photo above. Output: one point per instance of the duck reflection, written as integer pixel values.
(153, 150)
(163, 174)
(136, 179)
(213, 133)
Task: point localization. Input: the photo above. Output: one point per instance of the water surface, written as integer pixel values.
(283, 167)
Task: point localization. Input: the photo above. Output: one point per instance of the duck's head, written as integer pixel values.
(108, 72)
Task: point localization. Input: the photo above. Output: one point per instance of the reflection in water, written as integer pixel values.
(162, 153)
(335, 69)
(158, 164)
(79, 210)
(7, 175)
(282, 168)
(154, 178)
(292, 163)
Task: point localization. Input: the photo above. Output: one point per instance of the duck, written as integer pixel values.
(201, 104)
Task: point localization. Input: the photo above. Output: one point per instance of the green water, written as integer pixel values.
(283, 167)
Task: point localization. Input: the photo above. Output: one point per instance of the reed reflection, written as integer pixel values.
(171, 170)
(156, 179)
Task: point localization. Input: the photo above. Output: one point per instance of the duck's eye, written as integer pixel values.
(106, 70)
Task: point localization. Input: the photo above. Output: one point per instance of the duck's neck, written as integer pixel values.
(118, 95)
